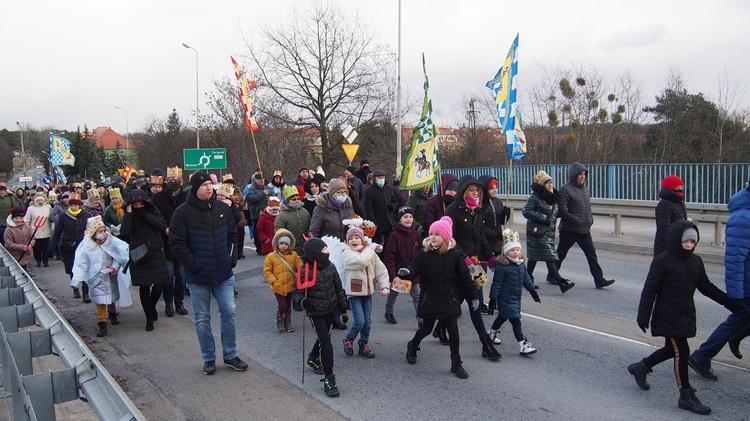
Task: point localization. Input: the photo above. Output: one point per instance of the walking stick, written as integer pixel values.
(39, 222)
(300, 286)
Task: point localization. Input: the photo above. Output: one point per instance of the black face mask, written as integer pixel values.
(173, 186)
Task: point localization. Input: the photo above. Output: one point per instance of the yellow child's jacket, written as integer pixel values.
(278, 274)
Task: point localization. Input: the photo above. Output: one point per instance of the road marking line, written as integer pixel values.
(609, 335)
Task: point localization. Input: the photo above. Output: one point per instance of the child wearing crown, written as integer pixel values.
(510, 278)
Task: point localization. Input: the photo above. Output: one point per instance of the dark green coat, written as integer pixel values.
(541, 207)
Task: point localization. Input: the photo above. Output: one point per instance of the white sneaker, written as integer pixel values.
(526, 348)
(495, 336)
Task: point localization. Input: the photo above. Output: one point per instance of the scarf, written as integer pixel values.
(119, 211)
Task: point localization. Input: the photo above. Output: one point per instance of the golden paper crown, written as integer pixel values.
(511, 237)
(156, 179)
(277, 172)
(174, 172)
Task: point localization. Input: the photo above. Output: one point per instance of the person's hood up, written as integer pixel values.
(445, 179)
(283, 233)
(575, 170)
(463, 185)
(740, 200)
(674, 238)
(486, 179)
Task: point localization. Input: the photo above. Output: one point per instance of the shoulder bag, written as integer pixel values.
(536, 229)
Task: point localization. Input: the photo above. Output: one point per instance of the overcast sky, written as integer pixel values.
(69, 63)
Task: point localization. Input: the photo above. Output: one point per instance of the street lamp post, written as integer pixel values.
(23, 151)
(127, 135)
(197, 95)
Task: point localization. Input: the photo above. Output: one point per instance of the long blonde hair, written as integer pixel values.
(440, 250)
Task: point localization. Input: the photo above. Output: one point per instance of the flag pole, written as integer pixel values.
(257, 157)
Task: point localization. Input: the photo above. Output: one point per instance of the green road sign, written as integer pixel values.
(205, 159)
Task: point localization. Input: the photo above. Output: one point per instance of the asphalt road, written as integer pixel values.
(585, 339)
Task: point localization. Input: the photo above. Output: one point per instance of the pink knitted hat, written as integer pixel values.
(443, 227)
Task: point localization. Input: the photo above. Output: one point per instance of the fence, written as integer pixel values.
(34, 396)
(704, 183)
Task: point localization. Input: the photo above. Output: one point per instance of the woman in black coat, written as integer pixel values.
(69, 231)
(671, 208)
(144, 224)
(542, 207)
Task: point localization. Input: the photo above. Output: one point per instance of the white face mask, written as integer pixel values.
(102, 236)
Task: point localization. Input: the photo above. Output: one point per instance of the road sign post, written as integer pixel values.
(205, 159)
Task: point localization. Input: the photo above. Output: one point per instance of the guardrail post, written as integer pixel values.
(618, 226)
(718, 240)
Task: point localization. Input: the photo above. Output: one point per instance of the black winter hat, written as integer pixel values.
(157, 171)
(136, 195)
(198, 179)
(313, 251)
(363, 162)
(351, 169)
(403, 210)
(18, 212)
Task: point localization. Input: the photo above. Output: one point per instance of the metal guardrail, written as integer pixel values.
(698, 212)
(22, 304)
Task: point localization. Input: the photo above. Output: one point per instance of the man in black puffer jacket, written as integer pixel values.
(202, 236)
(574, 201)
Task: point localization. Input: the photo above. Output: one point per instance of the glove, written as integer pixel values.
(734, 305)
(376, 247)
(643, 326)
(384, 292)
(26, 247)
(113, 269)
(468, 261)
(535, 296)
(493, 304)
(491, 263)
(344, 317)
(505, 215)
(403, 272)
(474, 304)
(475, 260)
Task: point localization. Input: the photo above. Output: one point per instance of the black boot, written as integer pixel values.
(102, 329)
(85, 290)
(76, 293)
(441, 334)
(689, 401)
(411, 352)
(734, 343)
(565, 285)
(329, 386)
(113, 318)
(457, 369)
(640, 370)
(488, 349)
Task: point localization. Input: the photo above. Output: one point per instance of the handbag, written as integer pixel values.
(139, 254)
(536, 229)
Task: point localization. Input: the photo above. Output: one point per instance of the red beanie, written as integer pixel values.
(671, 182)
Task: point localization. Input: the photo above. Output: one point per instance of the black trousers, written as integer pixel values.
(678, 349)
(323, 348)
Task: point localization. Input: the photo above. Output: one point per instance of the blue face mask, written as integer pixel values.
(380, 182)
(295, 206)
(341, 198)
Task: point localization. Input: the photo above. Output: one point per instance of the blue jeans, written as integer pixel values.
(201, 298)
(567, 239)
(174, 289)
(361, 308)
(734, 324)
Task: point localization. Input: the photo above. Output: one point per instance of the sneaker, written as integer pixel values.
(315, 364)
(236, 363)
(209, 368)
(526, 348)
(348, 346)
(704, 370)
(329, 386)
(390, 319)
(495, 336)
(604, 283)
(364, 351)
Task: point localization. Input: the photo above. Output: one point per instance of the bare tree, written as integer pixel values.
(325, 69)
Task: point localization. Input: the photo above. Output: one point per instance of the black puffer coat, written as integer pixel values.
(167, 202)
(670, 208)
(145, 225)
(444, 281)
(325, 296)
(541, 207)
(670, 285)
(468, 225)
(495, 216)
(574, 202)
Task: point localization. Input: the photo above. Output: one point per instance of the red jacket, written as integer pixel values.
(265, 231)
